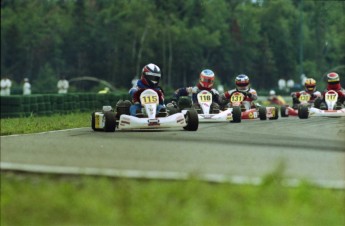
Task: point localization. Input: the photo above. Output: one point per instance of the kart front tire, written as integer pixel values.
(192, 120)
(262, 113)
(93, 122)
(110, 121)
(236, 114)
(303, 112)
(283, 112)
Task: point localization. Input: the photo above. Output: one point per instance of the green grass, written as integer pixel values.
(43, 199)
(30, 199)
(35, 124)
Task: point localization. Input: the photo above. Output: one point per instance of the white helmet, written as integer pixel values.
(272, 92)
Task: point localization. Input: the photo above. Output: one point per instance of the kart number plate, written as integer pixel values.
(149, 99)
(237, 97)
(205, 98)
(304, 98)
(331, 97)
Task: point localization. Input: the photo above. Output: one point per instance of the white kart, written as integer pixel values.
(331, 98)
(107, 120)
(228, 115)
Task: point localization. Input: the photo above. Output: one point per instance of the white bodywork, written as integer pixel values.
(205, 101)
(331, 98)
(149, 100)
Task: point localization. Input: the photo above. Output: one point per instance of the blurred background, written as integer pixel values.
(111, 40)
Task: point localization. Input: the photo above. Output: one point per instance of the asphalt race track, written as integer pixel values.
(310, 149)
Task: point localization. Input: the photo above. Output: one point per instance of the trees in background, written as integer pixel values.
(113, 39)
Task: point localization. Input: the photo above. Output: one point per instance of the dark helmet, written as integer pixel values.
(151, 75)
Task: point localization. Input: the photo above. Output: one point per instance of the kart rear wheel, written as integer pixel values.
(276, 114)
(303, 112)
(109, 121)
(283, 111)
(262, 113)
(236, 114)
(93, 122)
(192, 120)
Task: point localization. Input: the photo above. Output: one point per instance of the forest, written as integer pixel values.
(113, 39)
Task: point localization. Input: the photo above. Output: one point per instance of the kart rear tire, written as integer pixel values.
(283, 111)
(109, 121)
(93, 122)
(303, 112)
(262, 113)
(192, 120)
(236, 114)
(276, 114)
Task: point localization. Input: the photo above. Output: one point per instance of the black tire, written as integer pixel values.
(110, 121)
(236, 114)
(262, 113)
(303, 112)
(317, 103)
(192, 120)
(283, 111)
(276, 114)
(93, 122)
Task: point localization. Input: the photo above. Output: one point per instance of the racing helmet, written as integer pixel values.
(310, 85)
(206, 78)
(333, 78)
(151, 75)
(242, 82)
(272, 92)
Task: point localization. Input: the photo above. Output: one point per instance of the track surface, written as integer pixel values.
(311, 149)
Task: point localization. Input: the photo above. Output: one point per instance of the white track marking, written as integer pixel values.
(167, 175)
(52, 131)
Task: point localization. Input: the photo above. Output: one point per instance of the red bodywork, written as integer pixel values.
(291, 111)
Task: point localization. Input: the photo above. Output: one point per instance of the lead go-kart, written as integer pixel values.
(331, 108)
(205, 108)
(252, 112)
(108, 120)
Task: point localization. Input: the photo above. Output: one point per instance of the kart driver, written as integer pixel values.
(206, 82)
(310, 88)
(242, 86)
(274, 99)
(333, 83)
(150, 77)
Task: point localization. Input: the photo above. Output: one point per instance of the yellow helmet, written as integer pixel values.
(310, 84)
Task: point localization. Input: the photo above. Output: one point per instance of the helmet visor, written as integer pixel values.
(206, 80)
(152, 78)
(310, 88)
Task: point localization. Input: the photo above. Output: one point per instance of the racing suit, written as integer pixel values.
(250, 95)
(314, 95)
(135, 94)
(193, 92)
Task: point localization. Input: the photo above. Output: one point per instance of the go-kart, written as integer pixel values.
(206, 110)
(330, 109)
(109, 120)
(252, 112)
(206, 114)
(304, 99)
